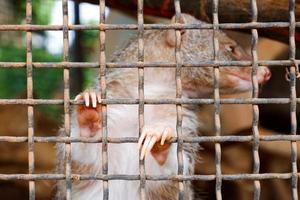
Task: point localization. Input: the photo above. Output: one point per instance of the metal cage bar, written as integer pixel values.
(277, 63)
(152, 101)
(68, 171)
(30, 110)
(102, 61)
(255, 109)
(217, 120)
(218, 177)
(179, 114)
(199, 139)
(229, 177)
(250, 25)
(292, 77)
(141, 105)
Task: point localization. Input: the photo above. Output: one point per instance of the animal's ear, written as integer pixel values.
(170, 34)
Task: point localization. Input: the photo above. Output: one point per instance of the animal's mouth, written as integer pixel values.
(263, 74)
(241, 76)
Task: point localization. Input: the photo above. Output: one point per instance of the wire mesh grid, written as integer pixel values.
(141, 101)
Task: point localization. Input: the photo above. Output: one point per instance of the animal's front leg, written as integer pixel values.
(89, 115)
(154, 140)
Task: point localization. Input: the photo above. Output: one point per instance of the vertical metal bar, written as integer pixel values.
(67, 98)
(178, 61)
(255, 109)
(30, 96)
(102, 61)
(217, 101)
(292, 76)
(140, 18)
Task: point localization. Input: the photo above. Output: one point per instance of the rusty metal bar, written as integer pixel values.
(179, 114)
(278, 63)
(141, 110)
(217, 120)
(66, 102)
(229, 177)
(102, 61)
(250, 25)
(255, 109)
(200, 139)
(30, 111)
(151, 101)
(292, 77)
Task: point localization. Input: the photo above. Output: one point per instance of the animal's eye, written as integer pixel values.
(230, 48)
(234, 50)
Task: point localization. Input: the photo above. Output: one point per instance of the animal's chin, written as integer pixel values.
(243, 83)
(239, 84)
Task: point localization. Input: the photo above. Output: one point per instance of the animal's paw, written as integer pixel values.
(89, 115)
(153, 140)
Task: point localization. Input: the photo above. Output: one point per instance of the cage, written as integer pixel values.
(255, 178)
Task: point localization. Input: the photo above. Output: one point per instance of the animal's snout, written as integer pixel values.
(263, 74)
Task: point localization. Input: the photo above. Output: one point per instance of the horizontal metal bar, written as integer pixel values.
(74, 27)
(150, 101)
(77, 177)
(148, 64)
(187, 177)
(29, 177)
(231, 177)
(199, 139)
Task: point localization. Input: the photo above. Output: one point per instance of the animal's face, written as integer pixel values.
(197, 45)
(237, 79)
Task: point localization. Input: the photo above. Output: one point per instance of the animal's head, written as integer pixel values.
(197, 45)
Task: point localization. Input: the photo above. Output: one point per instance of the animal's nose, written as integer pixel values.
(263, 74)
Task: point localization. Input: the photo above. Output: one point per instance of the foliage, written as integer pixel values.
(88, 40)
(47, 82)
(41, 10)
(14, 80)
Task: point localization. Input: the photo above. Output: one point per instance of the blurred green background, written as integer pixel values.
(47, 83)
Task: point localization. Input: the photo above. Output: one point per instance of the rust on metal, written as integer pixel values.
(293, 96)
(102, 75)
(66, 101)
(217, 119)
(30, 111)
(255, 109)
(178, 61)
(141, 93)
